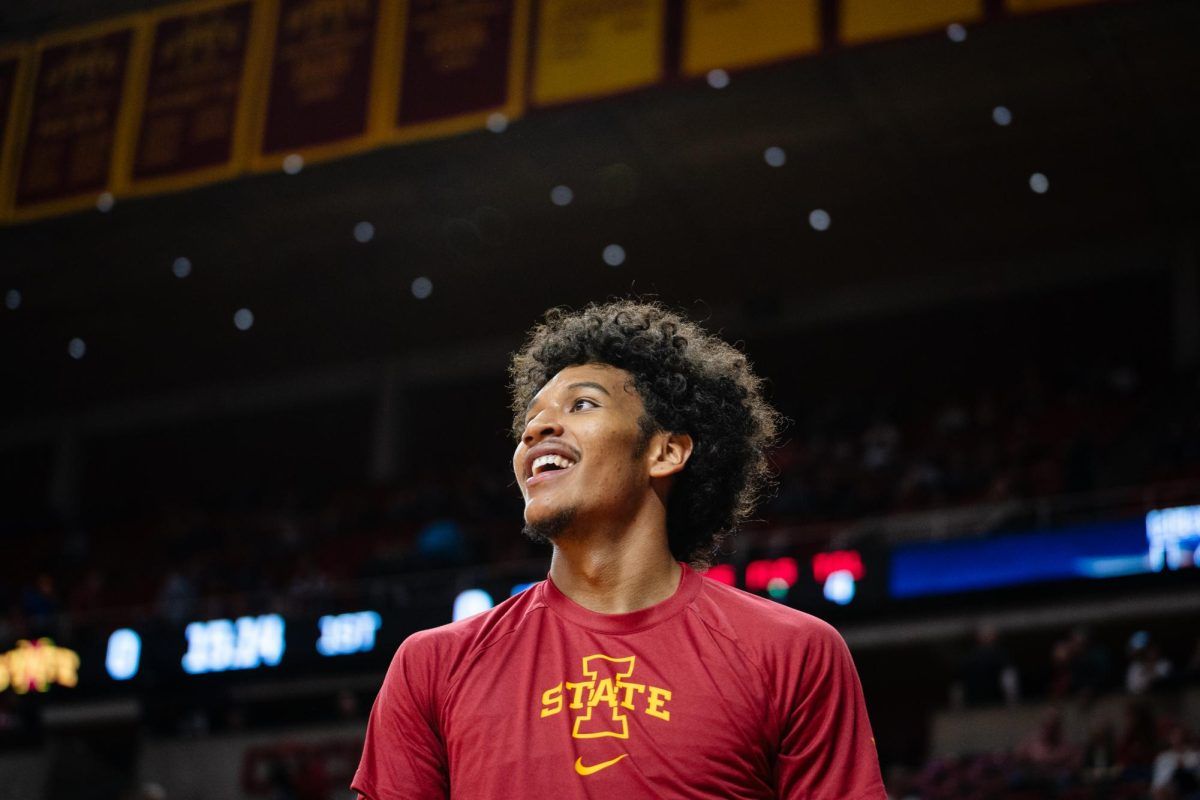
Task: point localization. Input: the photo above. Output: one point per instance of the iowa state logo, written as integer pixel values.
(600, 701)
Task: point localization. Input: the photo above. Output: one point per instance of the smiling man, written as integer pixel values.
(640, 445)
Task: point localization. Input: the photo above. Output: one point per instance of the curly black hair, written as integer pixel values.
(690, 381)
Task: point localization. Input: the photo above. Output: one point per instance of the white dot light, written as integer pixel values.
(614, 255)
(243, 319)
(182, 267)
(422, 287)
(774, 156)
(1001, 116)
(104, 202)
(1039, 183)
(956, 32)
(293, 163)
(819, 219)
(364, 232)
(718, 78)
(561, 195)
(470, 603)
(76, 348)
(12, 299)
(497, 123)
(839, 587)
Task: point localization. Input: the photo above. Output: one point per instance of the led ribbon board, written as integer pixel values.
(35, 666)
(245, 643)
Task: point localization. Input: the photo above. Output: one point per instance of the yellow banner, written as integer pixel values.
(1027, 6)
(866, 20)
(14, 97)
(591, 48)
(741, 33)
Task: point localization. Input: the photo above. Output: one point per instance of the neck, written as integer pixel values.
(618, 570)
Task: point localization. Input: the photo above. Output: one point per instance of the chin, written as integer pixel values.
(549, 527)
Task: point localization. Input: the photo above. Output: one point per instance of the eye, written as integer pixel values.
(584, 403)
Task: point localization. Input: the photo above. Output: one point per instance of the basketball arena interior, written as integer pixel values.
(264, 263)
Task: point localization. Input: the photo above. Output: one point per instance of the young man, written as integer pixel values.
(640, 445)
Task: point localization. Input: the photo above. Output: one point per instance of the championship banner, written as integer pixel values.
(590, 48)
(322, 66)
(190, 117)
(68, 150)
(13, 69)
(866, 20)
(742, 33)
(1029, 6)
(458, 62)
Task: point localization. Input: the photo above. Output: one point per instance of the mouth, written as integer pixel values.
(548, 467)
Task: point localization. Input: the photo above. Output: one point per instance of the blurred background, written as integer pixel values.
(264, 261)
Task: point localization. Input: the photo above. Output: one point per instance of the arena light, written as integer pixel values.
(470, 603)
(775, 156)
(12, 299)
(77, 348)
(520, 587)
(614, 255)
(243, 319)
(421, 288)
(1039, 183)
(181, 267)
(497, 122)
(561, 195)
(722, 573)
(718, 78)
(292, 164)
(346, 634)
(838, 573)
(104, 202)
(245, 643)
(956, 33)
(364, 232)
(774, 576)
(819, 219)
(1001, 116)
(1173, 537)
(124, 654)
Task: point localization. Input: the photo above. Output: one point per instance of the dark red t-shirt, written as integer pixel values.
(712, 693)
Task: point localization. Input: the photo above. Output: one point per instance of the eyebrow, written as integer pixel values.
(572, 387)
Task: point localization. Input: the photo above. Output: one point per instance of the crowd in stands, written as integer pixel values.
(842, 459)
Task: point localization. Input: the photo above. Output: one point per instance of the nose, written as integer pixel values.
(541, 427)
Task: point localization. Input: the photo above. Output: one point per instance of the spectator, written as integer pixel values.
(1176, 774)
(1147, 668)
(988, 674)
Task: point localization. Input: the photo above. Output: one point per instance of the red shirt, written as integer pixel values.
(712, 693)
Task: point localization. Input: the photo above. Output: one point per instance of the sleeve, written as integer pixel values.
(827, 751)
(404, 756)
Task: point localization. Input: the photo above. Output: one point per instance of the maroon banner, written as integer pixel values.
(320, 73)
(456, 58)
(190, 113)
(73, 121)
(8, 96)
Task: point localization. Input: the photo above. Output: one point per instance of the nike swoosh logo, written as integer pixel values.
(582, 770)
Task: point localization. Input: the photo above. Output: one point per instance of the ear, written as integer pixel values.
(669, 452)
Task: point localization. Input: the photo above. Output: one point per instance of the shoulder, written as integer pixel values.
(753, 619)
(784, 644)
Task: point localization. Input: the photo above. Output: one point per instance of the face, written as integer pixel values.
(578, 455)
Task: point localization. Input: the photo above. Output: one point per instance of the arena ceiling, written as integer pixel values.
(896, 142)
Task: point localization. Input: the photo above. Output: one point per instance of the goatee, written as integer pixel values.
(547, 530)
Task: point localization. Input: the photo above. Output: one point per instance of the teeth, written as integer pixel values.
(541, 462)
